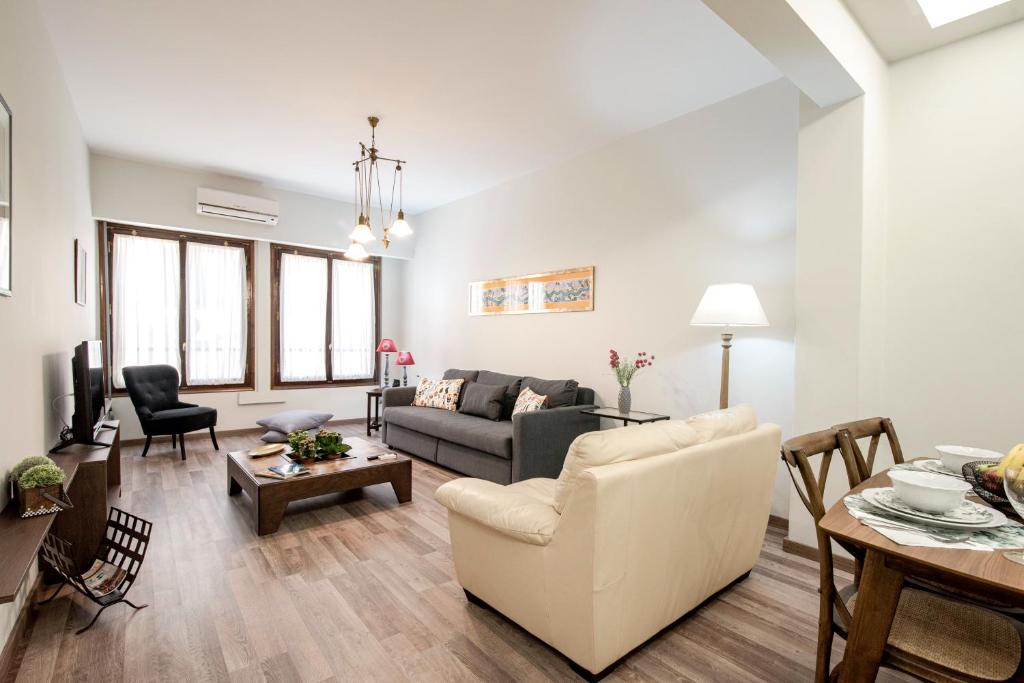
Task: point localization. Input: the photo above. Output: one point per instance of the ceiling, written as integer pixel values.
(470, 93)
(899, 29)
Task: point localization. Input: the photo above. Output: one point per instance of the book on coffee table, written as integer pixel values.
(285, 471)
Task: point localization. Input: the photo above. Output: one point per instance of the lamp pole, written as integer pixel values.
(723, 396)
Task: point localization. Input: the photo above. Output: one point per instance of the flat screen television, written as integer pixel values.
(90, 394)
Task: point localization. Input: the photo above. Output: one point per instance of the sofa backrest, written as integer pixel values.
(515, 384)
(605, 447)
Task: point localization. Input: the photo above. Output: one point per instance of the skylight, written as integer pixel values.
(940, 12)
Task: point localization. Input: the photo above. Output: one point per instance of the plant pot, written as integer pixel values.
(625, 400)
(42, 500)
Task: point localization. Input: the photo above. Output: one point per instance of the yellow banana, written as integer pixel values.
(1014, 460)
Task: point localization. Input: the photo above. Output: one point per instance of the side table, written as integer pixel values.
(373, 397)
(634, 416)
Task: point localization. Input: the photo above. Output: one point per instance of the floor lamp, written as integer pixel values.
(730, 305)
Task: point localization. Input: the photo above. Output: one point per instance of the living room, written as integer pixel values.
(542, 206)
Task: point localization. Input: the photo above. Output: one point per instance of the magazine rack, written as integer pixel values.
(123, 548)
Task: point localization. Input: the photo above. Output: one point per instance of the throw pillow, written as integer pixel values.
(483, 400)
(560, 392)
(528, 402)
(438, 393)
(294, 420)
(513, 385)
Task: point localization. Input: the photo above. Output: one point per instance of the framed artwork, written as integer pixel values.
(560, 291)
(6, 170)
(81, 274)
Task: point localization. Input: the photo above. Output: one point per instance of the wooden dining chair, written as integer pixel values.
(934, 637)
(872, 428)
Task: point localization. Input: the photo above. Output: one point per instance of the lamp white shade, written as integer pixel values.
(356, 251)
(730, 304)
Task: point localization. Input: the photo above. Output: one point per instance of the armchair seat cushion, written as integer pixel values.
(512, 510)
(474, 432)
(181, 420)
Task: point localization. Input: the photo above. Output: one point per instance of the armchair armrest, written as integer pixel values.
(540, 439)
(182, 404)
(144, 413)
(398, 396)
(517, 515)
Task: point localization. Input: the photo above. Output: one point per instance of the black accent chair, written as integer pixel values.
(154, 393)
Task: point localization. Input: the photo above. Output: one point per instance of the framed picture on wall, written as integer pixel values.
(559, 291)
(81, 274)
(6, 170)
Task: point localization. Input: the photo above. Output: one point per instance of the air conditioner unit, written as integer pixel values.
(237, 207)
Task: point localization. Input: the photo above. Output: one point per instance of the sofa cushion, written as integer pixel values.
(294, 420)
(438, 393)
(475, 432)
(482, 400)
(560, 392)
(594, 449)
(468, 375)
(512, 384)
(718, 424)
(529, 401)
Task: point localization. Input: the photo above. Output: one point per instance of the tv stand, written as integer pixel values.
(71, 442)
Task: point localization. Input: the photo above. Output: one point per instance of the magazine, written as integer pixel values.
(103, 578)
(285, 471)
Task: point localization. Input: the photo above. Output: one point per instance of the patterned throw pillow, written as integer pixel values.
(529, 401)
(438, 393)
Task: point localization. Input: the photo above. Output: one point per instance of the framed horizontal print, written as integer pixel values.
(561, 291)
(6, 168)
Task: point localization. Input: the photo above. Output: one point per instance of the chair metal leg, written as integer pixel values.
(133, 605)
(145, 448)
(213, 438)
(95, 617)
(181, 442)
(174, 440)
(59, 588)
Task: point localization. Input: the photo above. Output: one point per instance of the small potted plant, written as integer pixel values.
(625, 370)
(303, 447)
(331, 445)
(39, 486)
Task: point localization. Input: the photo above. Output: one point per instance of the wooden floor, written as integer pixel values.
(363, 591)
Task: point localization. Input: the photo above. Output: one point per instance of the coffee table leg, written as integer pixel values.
(268, 514)
(877, 600)
(402, 483)
(233, 486)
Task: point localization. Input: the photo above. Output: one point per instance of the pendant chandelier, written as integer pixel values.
(368, 193)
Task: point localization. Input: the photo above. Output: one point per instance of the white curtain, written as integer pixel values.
(146, 296)
(353, 320)
(216, 315)
(303, 324)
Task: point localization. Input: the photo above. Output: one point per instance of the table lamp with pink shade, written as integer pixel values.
(387, 347)
(405, 359)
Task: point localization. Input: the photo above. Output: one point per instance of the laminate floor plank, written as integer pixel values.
(355, 587)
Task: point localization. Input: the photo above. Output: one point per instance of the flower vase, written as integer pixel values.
(625, 400)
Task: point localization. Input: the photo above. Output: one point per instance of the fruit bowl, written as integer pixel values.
(986, 488)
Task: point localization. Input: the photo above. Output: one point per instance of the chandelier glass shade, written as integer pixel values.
(369, 197)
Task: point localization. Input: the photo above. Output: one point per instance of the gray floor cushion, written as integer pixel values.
(294, 420)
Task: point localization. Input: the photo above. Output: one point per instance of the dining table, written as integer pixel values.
(887, 564)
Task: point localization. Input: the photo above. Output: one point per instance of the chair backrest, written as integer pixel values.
(154, 387)
(798, 453)
(872, 428)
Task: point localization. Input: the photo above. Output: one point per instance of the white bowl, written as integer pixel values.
(927, 491)
(955, 457)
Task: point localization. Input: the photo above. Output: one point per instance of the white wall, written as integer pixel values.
(41, 323)
(709, 197)
(155, 195)
(955, 261)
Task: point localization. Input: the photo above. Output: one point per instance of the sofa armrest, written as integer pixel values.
(510, 513)
(398, 396)
(540, 439)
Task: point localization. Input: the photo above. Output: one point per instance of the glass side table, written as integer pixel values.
(635, 416)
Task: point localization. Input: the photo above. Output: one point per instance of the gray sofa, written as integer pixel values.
(510, 449)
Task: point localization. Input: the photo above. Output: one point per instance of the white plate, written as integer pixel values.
(936, 467)
(882, 499)
(967, 513)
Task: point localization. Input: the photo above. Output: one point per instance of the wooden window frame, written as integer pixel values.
(276, 250)
(106, 238)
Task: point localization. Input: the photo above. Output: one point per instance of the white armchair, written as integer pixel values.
(643, 524)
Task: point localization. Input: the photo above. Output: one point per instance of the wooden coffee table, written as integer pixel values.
(270, 497)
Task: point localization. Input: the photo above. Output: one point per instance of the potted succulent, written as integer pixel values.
(625, 370)
(331, 445)
(303, 447)
(38, 486)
